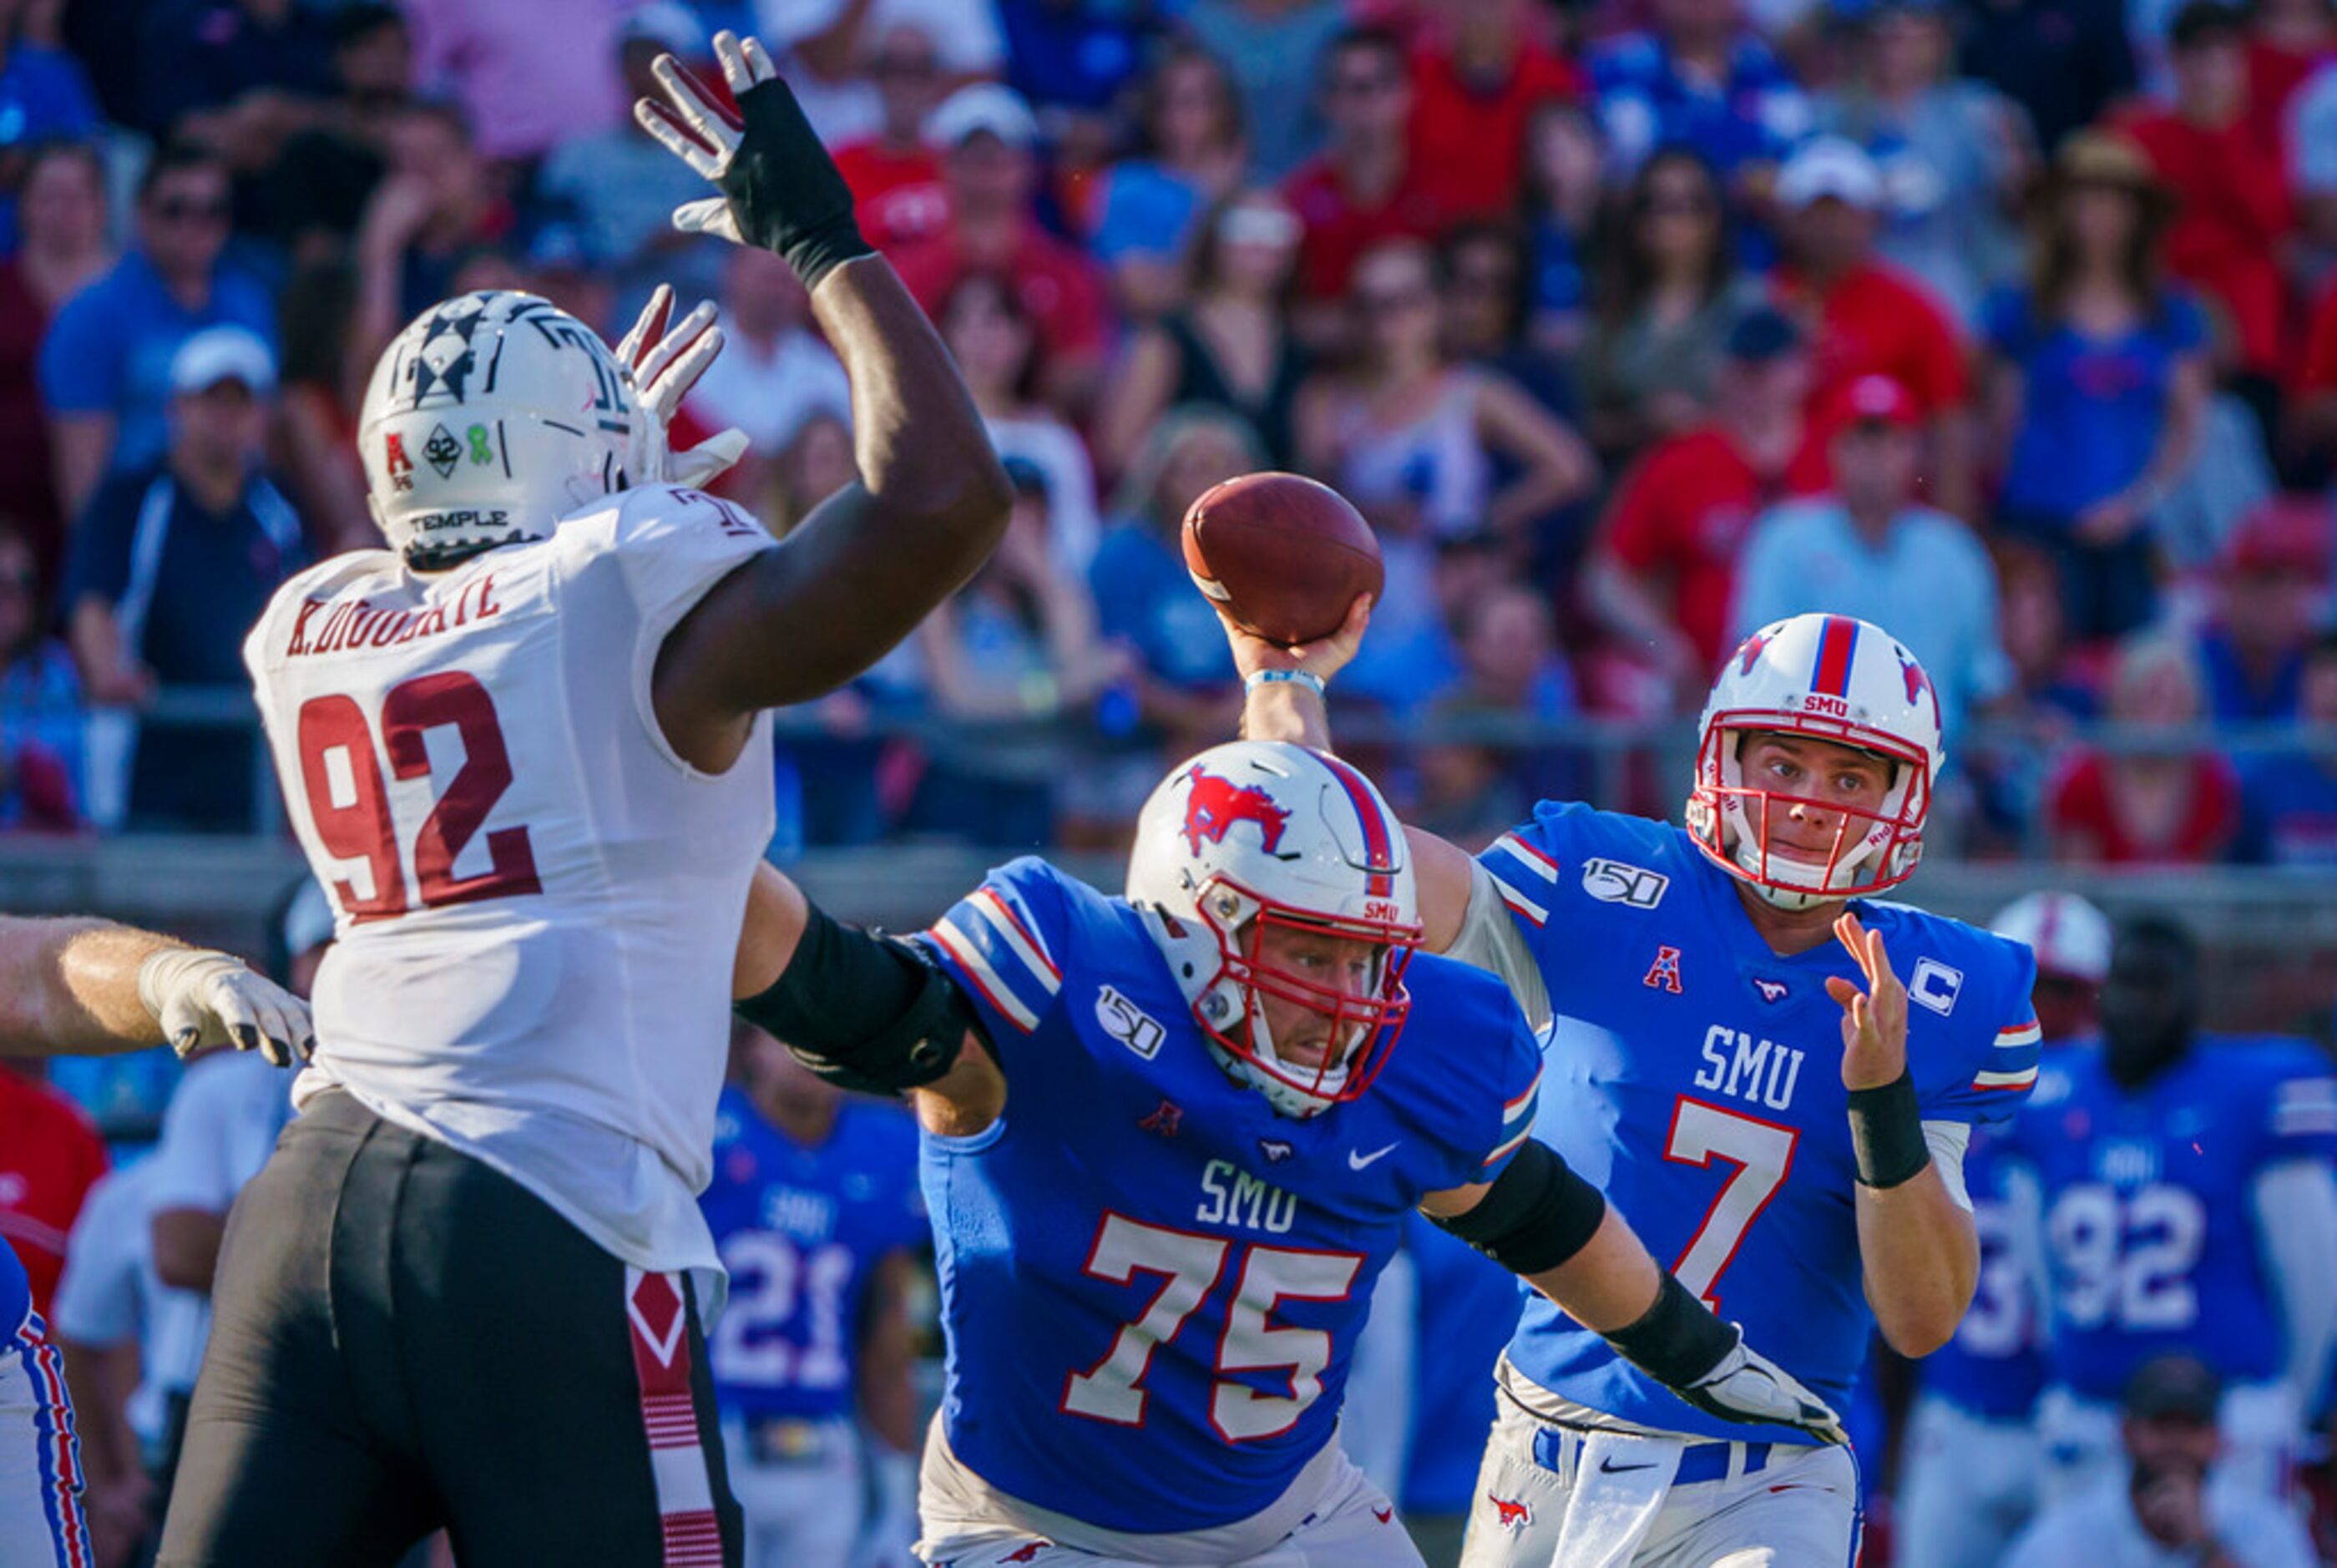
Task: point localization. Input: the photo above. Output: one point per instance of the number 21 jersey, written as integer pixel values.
(536, 900)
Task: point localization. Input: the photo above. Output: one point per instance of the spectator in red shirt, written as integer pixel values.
(2288, 40)
(1366, 185)
(1663, 570)
(896, 179)
(2233, 210)
(2171, 807)
(1477, 79)
(986, 134)
(1866, 318)
(50, 1157)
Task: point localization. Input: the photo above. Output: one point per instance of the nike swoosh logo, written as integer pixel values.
(1357, 1159)
(1609, 1468)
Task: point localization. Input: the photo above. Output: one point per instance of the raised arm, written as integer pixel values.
(930, 501)
(77, 986)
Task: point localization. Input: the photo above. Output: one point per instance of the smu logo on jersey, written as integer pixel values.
(1235, 1197)
(1215, 805)
(1613, 882)
(1740, 1063)
(804, 1215)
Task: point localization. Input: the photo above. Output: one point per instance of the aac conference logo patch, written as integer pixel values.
(1613, 882)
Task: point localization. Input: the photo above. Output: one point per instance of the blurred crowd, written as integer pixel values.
(1631, 326)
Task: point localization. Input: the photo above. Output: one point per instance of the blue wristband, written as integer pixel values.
(1305, 678)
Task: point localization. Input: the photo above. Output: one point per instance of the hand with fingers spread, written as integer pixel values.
(202, 997)
(1874, 1020)
(779, 186)
(664, 363)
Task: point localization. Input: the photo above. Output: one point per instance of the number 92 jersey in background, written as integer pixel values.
(802, 1231)
(1695, 1076)
(1151, 1282)
(537, 901)
(2150, 1222)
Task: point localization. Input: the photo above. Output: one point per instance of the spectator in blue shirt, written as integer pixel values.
(44, 97)
(1872, 551)
(40, 704)
(106, 365)
(1700, 78)
(2274, 583)
(170, 564)
(1191, 157)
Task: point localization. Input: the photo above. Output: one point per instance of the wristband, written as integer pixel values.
(1678, 1341)
(1307, 678)
(1886, 1133)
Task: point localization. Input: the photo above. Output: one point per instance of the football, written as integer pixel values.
(1282, 555)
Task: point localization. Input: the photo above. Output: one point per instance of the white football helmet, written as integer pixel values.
(1256, 836)
(2068, 935)
(1829, 678)
(490, 417)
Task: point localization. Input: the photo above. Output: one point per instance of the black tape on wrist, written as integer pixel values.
(1678, 1341)
(784, 189)
(1537, 1214)
(1886, 1133)
(864, 1011)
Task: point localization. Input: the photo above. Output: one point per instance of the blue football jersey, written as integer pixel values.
(2150, 1234)
(1995, 1364)
(1694, 1075)
(801, 1230)
(1153, 1283)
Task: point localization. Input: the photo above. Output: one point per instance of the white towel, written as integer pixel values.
(1619, 1484)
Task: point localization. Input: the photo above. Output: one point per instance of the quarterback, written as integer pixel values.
(88, 988)
(1738, 1062)
(523, 751)
(1164, 1185)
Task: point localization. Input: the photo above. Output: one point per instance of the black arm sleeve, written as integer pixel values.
(862, 1010)
(1537, 1214)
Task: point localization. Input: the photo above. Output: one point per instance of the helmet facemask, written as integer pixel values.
(1870, 851)
(1229, 1002)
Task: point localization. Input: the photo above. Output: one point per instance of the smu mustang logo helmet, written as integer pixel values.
(1216, 804)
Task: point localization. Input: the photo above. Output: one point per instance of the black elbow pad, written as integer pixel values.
(864, 1011)
(1537, 1214)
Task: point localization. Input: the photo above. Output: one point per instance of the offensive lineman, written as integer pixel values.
(522, 748)
(89, 988)
(1693, 985)
(1163, 1189)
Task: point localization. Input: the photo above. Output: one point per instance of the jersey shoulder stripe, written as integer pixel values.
(2303, 1107)
(1517, 1120)
(1514, 865)
(1007, 941)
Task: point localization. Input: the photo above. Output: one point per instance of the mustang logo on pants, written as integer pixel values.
(1511, 1515)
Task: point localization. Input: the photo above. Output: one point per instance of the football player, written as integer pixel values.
(1163, 1189)
(89, 988)
(2188, 1206)
(814, 1207)
(523, 749)
(1970, 1480)
(1744, 1070)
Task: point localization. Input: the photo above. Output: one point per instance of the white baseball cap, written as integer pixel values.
(2069, 936)
(218, 354)
(1830, 166)
(983, 106)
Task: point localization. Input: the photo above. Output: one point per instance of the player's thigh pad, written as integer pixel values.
(1518, 1509)
(288, 1459)
(41, 1522)
(1802, 1512)
(562, 1401)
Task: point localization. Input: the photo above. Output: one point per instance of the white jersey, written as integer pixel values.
(537, 901)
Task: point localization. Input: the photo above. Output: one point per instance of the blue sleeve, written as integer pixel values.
(1987, 1062)
(1001, 943)
(2183, 326)
(1520, 1097)
(2004, 322)
(98, 561)
(80, 358)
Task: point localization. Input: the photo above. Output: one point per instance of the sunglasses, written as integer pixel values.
(184, 209)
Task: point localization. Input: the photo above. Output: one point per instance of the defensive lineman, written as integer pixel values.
(1162, 1192)
(1692, 995)
(523, 748)
(86, 987)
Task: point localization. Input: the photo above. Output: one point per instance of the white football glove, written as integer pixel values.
(664, 363)
(202, 997)
(1748, 1386)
